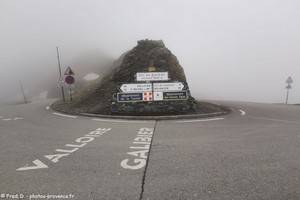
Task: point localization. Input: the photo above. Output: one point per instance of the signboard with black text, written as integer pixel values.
(180, 95)
(168, 86)
(136, 87)
(152, 76)
(129, 97)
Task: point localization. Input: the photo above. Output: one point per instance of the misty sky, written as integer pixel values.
(231, 50)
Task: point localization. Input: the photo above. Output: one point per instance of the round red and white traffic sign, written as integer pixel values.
(69, 80)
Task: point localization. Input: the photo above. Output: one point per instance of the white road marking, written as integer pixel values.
(38, 165)
(138, 154)
(48, 107)
(118, 121)
(66, 151)
(199, 120)
(63, 115)
(215, 113)
(10, 119)
(18, 118)
(242, 112)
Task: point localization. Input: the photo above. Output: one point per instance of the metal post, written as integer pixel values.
(23, 92)
(152, 91)
(289, 81)
(287, 96)
(60, 75)
(70, 91)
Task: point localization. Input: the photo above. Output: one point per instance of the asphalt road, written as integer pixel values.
(252, 153)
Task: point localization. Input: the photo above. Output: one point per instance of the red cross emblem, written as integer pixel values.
(147, 96)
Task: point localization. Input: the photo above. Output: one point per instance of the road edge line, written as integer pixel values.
(64, 115)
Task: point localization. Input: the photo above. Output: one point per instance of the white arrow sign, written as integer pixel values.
(136, 87)
(170, 86)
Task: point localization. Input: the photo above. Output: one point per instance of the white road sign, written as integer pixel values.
(152, 76)
(136, 87)
(158, 96)
(170, 86)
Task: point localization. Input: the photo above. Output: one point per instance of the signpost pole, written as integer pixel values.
(59, 69)
(289, 81)
(152, 91)
(287, 95)
(23, 93)
(70, 91)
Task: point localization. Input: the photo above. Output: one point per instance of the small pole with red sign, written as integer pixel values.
(69, 80)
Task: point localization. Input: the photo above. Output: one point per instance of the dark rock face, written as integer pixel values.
(148, 55)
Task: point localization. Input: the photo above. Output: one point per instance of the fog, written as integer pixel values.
(240, 50)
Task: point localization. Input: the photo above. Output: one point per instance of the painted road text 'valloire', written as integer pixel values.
(138, 154)
(67, 150)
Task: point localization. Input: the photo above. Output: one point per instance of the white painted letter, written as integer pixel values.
(147, 146)
(141, 154)
(140, 163)
(55, 157)
(38, 165)
(84, 139)
(67, 151)
(142, 139)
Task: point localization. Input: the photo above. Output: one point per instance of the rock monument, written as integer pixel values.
(147, 80)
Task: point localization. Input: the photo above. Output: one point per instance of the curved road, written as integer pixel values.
(252, 153)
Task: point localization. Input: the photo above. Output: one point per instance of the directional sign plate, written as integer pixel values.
(129, 97)
(152, 76)
(136, 87)
(170, 86)
(180, 95)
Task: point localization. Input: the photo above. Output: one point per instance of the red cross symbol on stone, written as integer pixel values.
(147, 96)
